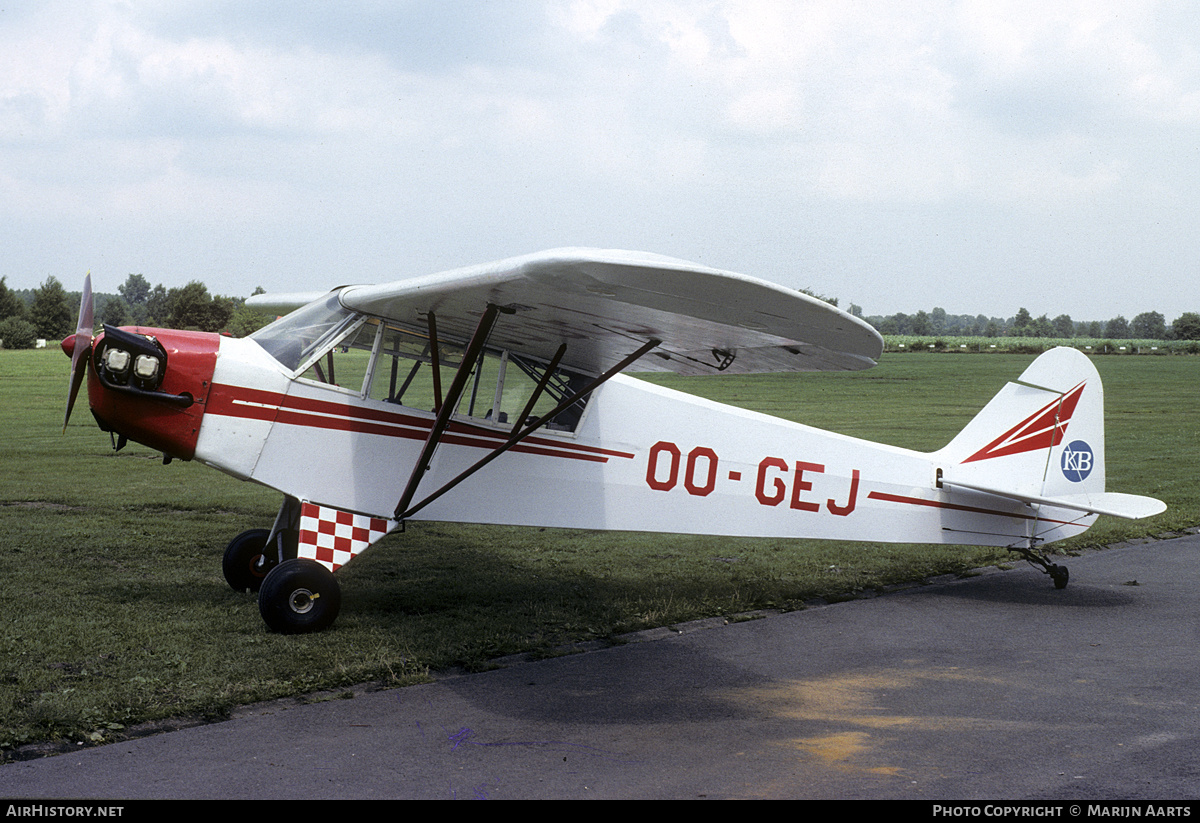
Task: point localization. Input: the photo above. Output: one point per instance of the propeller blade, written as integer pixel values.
(80, 345)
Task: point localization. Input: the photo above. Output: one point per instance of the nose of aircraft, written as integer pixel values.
(151, 385)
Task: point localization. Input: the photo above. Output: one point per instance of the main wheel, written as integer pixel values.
(245, 565)
(299, 596)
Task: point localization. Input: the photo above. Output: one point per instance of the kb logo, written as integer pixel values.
(1077, 461)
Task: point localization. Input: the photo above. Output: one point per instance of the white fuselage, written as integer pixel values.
(643, 458)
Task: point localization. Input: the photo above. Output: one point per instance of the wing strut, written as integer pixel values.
(453, 394)
(435, 362)
(402, 512)
(541, 387)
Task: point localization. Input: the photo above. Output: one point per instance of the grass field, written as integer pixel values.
(118, 612)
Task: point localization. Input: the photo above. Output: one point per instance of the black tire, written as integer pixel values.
(1060, 575)
(243, 564)
(299, 596)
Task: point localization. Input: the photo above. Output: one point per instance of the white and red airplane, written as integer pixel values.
(493, 394)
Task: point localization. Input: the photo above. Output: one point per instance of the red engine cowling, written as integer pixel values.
(151, 385)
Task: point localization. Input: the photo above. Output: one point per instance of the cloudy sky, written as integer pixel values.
(978, 156)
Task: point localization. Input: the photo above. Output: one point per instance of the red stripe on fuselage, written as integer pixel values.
(938, 504)
(255, 404)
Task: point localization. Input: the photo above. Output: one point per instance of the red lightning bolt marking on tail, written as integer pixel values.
(1043, 429)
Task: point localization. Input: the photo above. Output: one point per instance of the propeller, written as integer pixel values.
(79, 345)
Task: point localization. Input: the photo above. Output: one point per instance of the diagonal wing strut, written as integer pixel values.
(403, 508)
(486, 323)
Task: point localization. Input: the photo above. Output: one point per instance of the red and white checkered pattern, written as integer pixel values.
(333, 537)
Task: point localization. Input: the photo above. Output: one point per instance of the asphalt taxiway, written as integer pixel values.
(996, 686)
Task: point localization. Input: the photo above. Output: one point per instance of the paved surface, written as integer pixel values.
(994, 687)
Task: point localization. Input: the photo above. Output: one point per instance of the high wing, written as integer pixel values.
(605, 303)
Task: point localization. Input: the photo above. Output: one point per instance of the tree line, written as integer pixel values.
(1145, 326)
(50, 312)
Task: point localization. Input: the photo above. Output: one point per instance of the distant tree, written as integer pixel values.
(1022, 324)
(10, 304)
(898, 323)
(158, 307)
(191, 307)
(220, 312)
(114, 312)
(833, 301)
(1095, 329)
(937, 320)
(1117, 328)
(245, 321)
(1149, 325)
(921, 324)
(135, 291)
(1064, 326)
(1042, 327)
(1186, 326)
(17, 333)
(51, 312)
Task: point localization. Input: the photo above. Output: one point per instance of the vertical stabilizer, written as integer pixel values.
(1041, 440)
(1042, 435)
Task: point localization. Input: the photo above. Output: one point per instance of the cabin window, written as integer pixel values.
(324, 343)
(497, 392)
(402, 369)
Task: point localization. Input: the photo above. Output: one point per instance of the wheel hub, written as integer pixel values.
(302, 601)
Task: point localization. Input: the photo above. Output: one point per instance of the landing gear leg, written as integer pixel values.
(1059, 574)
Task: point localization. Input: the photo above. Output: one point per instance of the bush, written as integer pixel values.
(16, 333)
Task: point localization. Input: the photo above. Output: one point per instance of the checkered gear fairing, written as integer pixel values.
(334, 537)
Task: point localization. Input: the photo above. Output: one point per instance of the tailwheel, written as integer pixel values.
(245, 563)
(299, 596)
(1059, 574)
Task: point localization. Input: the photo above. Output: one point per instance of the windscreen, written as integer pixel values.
(296, 337)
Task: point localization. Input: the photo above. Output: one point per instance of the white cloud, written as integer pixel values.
(753, 134)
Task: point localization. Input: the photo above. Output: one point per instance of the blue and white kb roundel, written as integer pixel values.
(1077, 461)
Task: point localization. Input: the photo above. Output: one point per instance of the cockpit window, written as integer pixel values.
(325, 343)
(302, 336)
(502, 389)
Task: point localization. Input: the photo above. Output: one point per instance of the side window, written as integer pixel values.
(498, 392)
(521, 379)
(402, 371)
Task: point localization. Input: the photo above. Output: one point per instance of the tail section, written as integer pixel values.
(1041, 440)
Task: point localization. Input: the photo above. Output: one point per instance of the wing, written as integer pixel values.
(603, 304)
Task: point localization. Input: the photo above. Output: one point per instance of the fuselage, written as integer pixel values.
(640, 457)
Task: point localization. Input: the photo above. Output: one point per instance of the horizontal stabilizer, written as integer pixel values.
(1127, 506)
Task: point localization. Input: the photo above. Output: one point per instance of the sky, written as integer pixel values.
(975, 156)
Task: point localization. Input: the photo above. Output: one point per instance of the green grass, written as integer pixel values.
(117, 612)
